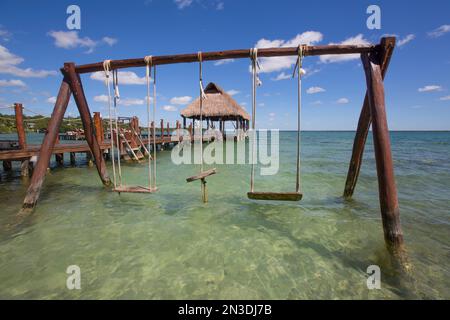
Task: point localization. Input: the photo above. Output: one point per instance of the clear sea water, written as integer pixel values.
(169, 245)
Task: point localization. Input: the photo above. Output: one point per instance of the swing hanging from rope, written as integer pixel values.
(276, 196)
(119, 185)
(203, 174)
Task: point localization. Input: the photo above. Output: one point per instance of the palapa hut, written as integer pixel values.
(218, 107)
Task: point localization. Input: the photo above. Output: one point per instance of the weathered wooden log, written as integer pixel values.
(45, 152)
(386, 49)
(229, 54)
(99, 133)
(390, 213)
(18, 108)
(25, 168)
(80, 100)
(59, 157)
(202, 175)
(72, 159)
(7, 165)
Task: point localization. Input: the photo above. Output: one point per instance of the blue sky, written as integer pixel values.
(35, 42)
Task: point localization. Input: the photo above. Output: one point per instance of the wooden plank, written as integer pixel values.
(390, 212)
(202, 175)
(386, 49)
(275, 196)
(134, 189)
(228, 54)
(45, 151)
(83, 108)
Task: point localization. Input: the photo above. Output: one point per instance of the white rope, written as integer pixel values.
(106, 68)
(298, 67)
(202, 96)
(116, 99)
(154, 126)
(148, 62)
(254, 58)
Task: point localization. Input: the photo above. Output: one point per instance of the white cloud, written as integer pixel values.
(356, 40)
(405, 40)
(71, 40)
(342, 101)
(181, 4)
(220, 6)
(9, 65)
(223, 61)
(101, 98)
(233, 92)
(12, 83)
(446, 98)
(313, 90)
(279, 63)
(169, 108)
(5, 35)
(131, 102)
(124, 77)
(316, 103)
(439, 31)
(282, 76)
(181, 100)
(51, 100)
(123, 102)
(109, 41)
(430, 88)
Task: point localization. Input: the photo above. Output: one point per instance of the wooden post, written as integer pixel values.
(72, 159)
(7, 165)
(18, 108)
(390, 213)
(168, 129)
(387, 47)
(47, 146)
(25, 168)
(184, 123)
(80, 100)
(98, 127)
(162, 128)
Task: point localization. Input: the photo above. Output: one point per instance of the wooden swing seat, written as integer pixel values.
(275, 196)
(202, 175)
(135, 189)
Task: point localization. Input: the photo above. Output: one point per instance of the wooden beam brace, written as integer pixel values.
(386, 49)
(45, 152)
(80, 100)
(390, 213)
(229, 54)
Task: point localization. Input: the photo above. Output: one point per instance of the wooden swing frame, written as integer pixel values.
(375, 60)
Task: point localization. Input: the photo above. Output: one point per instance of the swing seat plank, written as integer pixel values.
(135, 189)
(276, 196)
(202, 175)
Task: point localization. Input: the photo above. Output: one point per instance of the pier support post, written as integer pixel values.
(7, 165)
(18, 109)
(387, 46)
(25, 168)
(47, 145)
(80, 100)
(390, 213)
(72, 159)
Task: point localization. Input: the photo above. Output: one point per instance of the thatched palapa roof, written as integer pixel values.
(217, 105)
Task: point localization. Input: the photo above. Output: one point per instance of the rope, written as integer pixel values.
(298, 67)
(106, 68)
(254, 58)
(202, 96)
(148, 62)
(116, 99)
(154, 126)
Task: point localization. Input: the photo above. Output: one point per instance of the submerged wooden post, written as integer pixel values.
(47, 146)
(387, 47)
(80, 100)
(390, 213)
(18, 109)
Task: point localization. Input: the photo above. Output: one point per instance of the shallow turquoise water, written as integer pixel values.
(170, 245)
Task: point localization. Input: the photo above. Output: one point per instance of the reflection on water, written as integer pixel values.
(170, 245)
